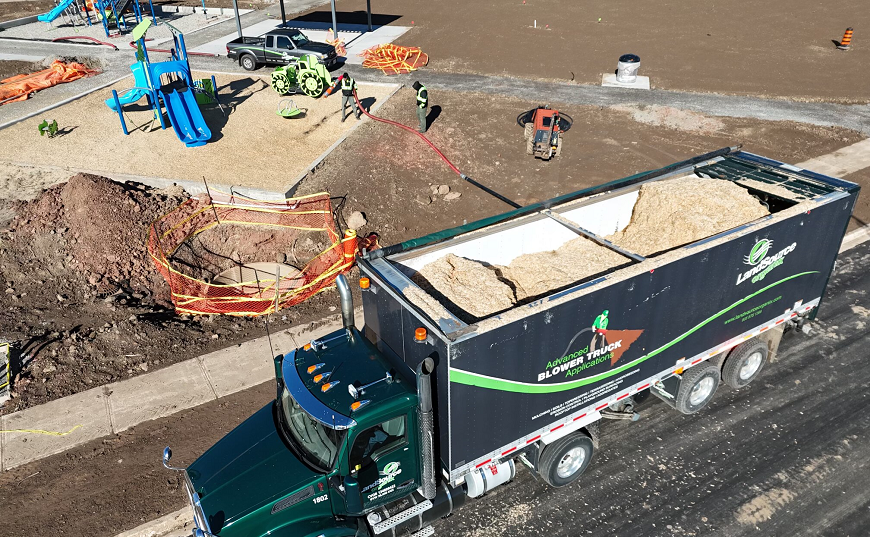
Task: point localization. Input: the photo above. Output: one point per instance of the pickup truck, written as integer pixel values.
(384, 429)
(278, 47)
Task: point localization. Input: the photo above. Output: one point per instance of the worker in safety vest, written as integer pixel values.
(599, 339)
(422, 104)
(348, 85)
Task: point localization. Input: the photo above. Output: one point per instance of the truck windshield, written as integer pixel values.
(299, 39)
(319, 444)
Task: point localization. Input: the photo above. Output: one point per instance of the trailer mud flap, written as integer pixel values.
(667, 390)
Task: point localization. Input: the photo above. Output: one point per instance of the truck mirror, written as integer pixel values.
(352, 495)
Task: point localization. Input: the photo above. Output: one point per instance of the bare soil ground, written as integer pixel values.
(774, 48)
(388, 174)
(16, 10)
(10, 68)
(251, 145)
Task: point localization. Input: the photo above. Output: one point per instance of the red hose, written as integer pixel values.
(409, 129)
(84, 37)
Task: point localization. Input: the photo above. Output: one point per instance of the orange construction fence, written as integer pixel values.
(393, 59)
(19, 87)
(253, 291)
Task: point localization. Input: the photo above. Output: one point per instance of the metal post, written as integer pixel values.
(369, 13)
(153, 16)
(120, 112)
(283, 15)
(238, 20)
(334, 23)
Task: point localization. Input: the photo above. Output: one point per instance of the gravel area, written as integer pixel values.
(250, 145)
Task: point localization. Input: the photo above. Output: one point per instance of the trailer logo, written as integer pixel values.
(758, 252)
(762, 263)
(606, 345)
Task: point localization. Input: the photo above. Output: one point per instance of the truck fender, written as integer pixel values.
(565, 430)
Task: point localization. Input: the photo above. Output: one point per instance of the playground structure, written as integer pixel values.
(107, 12)
(168, 85)
(307, 75)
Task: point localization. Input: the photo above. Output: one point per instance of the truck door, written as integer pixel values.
(285, 48)
(271, 54)
(386, 460)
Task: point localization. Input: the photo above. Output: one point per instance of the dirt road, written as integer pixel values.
(774, 48)
(778, 458)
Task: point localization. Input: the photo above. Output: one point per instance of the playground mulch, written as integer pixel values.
(251, 145)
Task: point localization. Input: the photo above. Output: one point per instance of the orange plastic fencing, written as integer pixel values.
(19, 87)
(253, 292)
(393, 59)
(336, 42)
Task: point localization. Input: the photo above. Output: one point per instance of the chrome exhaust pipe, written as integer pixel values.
(428, 487)
(346, 303)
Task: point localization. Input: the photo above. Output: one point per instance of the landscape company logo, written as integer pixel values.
(388, 475)
(758, 252)
(606, 345)
(762, 263)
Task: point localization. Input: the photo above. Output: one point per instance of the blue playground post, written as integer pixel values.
(120, 112)
(214, 89)
(153, 17)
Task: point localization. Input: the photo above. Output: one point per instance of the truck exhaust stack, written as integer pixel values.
(346, 303)
(427, 433)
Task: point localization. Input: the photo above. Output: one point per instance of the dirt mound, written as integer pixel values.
(680, 211)
(105, 225)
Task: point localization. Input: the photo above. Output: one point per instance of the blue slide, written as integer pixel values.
(186, 118)
(141, 89)
(55, 13)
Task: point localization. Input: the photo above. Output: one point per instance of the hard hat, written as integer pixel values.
(605, 312)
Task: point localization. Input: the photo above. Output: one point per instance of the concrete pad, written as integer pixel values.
(244, 366)
(356, 37)
(155, 395)
(87, 409)
(20, 57)
(841, 162)
(609, 80)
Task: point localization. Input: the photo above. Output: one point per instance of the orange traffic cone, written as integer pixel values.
(846, 42)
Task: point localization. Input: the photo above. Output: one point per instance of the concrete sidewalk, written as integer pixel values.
(118, 406)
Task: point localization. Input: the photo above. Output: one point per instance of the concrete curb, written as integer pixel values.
(118, 406)
(19, 22)
(179, 520)
(855, 238)
(311, 167)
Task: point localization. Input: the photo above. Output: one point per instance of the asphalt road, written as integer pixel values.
(788, 455)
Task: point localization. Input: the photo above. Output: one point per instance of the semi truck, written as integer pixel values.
(384, 429)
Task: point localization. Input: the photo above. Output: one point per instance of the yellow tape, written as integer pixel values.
(39, 431)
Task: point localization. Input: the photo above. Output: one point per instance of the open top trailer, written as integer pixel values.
(383, 430)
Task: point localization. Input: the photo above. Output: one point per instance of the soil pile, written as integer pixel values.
(577, 259)
(680, 211)
(468, 285)
(473, 290)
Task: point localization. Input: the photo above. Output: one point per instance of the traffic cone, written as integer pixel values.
(846, 42)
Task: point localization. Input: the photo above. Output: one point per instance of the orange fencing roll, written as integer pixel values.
(394, 59)
(19, 87)
(213, 283)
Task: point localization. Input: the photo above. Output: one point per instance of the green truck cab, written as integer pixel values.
(305, 464)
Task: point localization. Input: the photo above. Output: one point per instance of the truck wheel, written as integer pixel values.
(744, 363)
(564, 460)
(697, 386)
(528, 130)
(248, 62)
(530, 146)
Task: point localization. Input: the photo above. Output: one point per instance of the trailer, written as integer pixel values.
(384, 429)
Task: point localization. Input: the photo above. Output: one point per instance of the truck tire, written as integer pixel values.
(697, 387)
(744, 364)
(564, 460)
(528, 130)
(248, 62)
(530, 146)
